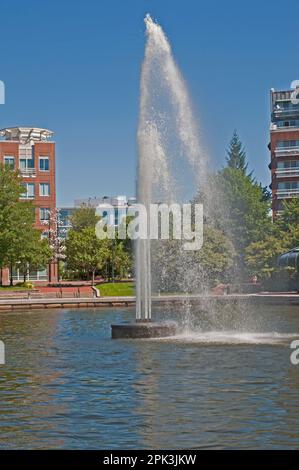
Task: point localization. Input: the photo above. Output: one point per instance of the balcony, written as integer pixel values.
(28, 172)
(287, 193)
(286, 112)
(286, 172)
(275, 127)
(286, 152)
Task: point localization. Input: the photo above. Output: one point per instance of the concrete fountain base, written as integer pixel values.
(142, 329)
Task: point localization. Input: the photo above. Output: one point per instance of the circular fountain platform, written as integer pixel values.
(141, 329)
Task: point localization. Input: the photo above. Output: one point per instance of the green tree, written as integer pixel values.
(10, 187)
(10, 191)
(25, 248)
(127, 243)
(85, 252)
(118, 261)
(283, 235)
(88, 254)
(84, 217)
(262, 256)
(20, 242)
(216, 256)
(289, 217)
(241, 211)
(179, 270)
(36, 255)
(236, 155)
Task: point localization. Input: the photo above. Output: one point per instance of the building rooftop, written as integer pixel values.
(285, 109)
(26, 135)
(105, 200)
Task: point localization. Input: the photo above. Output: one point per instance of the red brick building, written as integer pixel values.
(284, 147)
(32, 151)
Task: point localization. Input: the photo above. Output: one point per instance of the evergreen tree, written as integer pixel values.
(239, 210)
(247, 210)
(236, 155)
(289, 218)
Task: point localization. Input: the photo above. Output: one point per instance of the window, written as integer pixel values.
(28, 191)
(289, 164)
(44, 164)
(45, 235)
(26, 158)
(44, 214)
(26, 164)
(40, 275)
(285, 106)
(9, 160)
(293, 123)
(287, 143)
(44, 189)
(288, 185)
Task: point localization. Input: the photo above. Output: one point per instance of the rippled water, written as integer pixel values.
(66, 384)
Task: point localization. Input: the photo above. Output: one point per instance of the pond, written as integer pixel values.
(228, 384)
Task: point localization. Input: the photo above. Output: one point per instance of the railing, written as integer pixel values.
(286, 193)
(286, 112)
(282, 172)
(28, 172)
(281, 152)
(275, 127)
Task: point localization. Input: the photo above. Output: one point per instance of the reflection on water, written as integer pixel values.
(67, 385)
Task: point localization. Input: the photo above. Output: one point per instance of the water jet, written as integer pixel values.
(169, 161)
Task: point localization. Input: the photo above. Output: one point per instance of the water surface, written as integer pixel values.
(229, 384)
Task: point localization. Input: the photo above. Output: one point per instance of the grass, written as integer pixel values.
(117, 289)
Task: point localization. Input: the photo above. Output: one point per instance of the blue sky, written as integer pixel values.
(73, 67)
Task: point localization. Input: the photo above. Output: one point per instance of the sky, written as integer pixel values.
(74, 67)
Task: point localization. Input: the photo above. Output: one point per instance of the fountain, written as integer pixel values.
(170, 161)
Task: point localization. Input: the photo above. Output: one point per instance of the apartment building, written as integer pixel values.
(32, 151)
(284, 147)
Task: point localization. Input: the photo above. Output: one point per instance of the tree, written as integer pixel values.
(10, 191)
(84, 217)
(240, 211)
(262, 256)
(127, 243)
(118, 261)
(36, 255)
(289, 217)
(236, 155)
(10, 187)
(84, 251)
(25, 248)
(88, 254)
(20, 242)
(216, 256)
(178, 270)
(283, 235)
